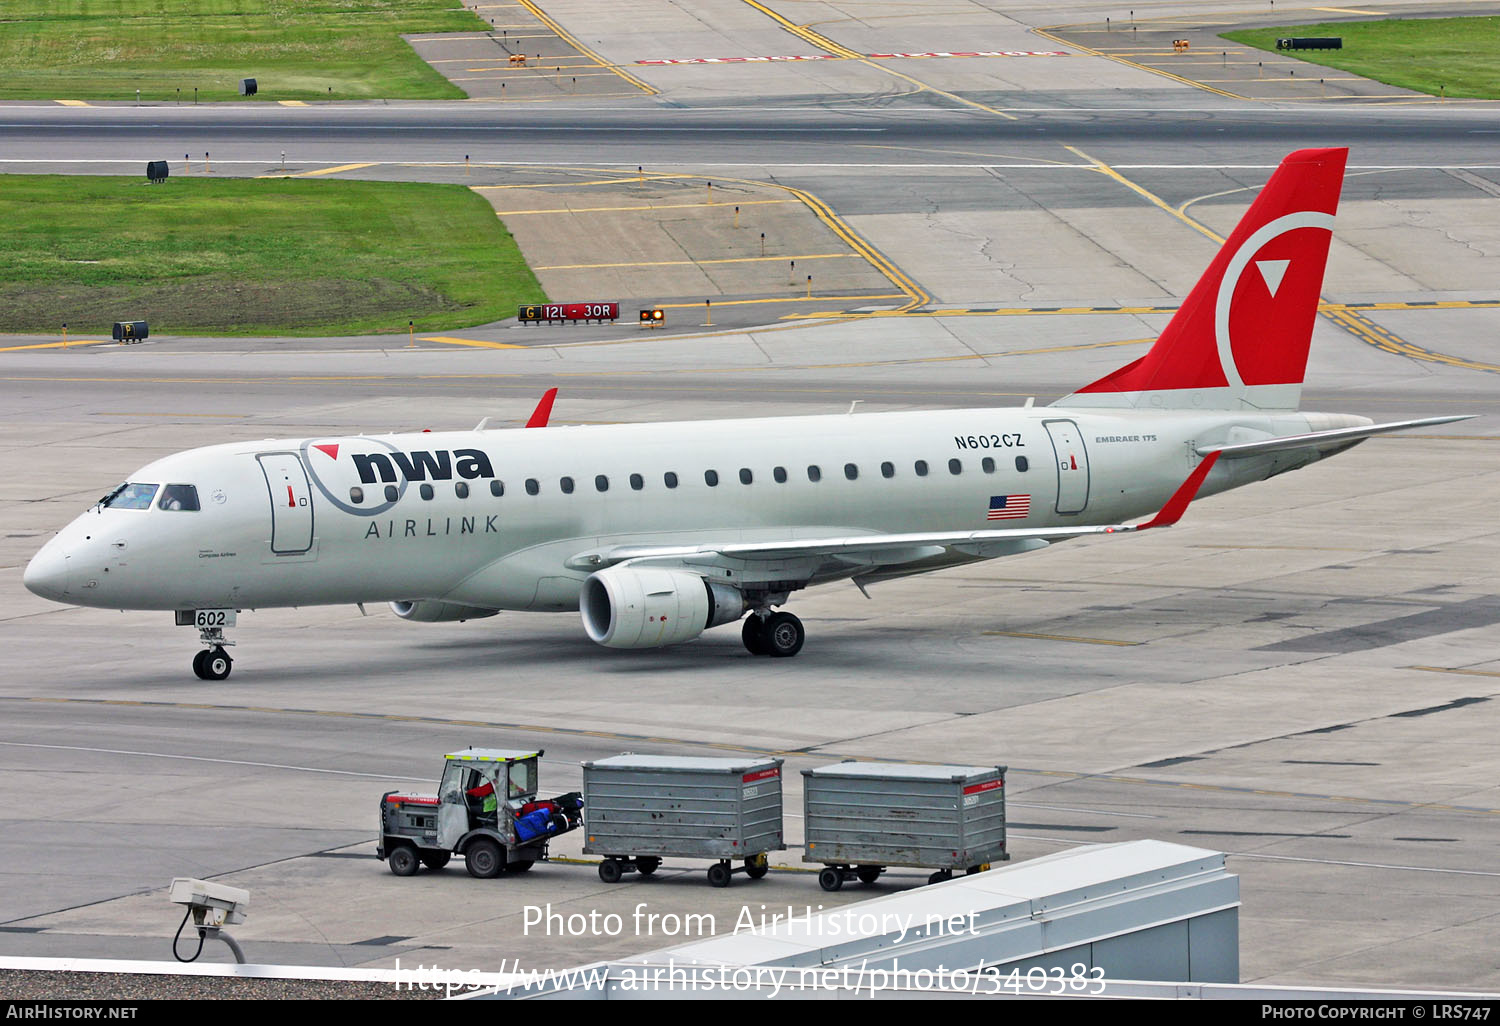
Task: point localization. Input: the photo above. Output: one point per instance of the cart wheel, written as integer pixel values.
(976, 869)
(610, 871)
(869, 874)
(647, 864)
(830, 879)
(940, 876)
(403, 861)
(757, 866)
(718, 874)
(436, 860)
(520, 866)
(483, 859)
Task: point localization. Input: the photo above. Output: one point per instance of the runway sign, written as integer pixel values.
(550, 312)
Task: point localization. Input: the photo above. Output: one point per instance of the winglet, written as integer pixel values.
(1178, 503)
(543, 411)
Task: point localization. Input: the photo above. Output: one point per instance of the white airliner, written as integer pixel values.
(657, 532)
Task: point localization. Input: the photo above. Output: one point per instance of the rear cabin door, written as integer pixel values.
(291, 502)
(1072, 466)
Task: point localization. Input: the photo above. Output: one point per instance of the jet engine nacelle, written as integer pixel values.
(431, 611)
(646, 607)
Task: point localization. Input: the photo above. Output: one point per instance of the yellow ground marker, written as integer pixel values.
(532, 74)
(817, 39)
(649, 206)
(330, 170)
(916, 297)
(695, 263)
(1105, 169)
(73, 103)
(570, 185)
(447, 38)
(1143, 67)
(61, 345)
(1369, 332)
(1454, 669)
(292, 103)
(807, 34)
(577, 44)
(447, 340)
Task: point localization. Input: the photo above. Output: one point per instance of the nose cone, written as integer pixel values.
(47, 573)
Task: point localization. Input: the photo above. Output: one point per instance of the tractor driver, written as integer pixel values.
(482, 802)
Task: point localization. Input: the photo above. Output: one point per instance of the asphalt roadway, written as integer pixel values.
(1301, 674)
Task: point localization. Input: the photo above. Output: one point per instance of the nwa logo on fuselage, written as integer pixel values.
(420, 465)
(394, 468)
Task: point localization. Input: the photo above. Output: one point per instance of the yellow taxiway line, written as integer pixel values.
(330, 170)
(480, 343)
(649, 206)
(61, 345)
(577, 44)
(698, 263)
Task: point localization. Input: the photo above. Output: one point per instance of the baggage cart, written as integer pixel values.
(862, 817)
(639, 809)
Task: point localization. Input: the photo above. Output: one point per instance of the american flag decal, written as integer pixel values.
(1009, 507)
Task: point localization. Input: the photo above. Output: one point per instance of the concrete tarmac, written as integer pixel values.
(1296, 674)
(1302, 673)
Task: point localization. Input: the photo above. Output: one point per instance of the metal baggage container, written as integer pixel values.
(639, 809)
(864, 816)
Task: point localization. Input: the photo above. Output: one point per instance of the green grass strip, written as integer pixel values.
(1458, 57)
(252, 256)
(294, 49)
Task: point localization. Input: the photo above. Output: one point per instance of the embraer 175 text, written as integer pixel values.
(657, 532)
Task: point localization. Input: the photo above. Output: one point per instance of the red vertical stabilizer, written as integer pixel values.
(1240, 341)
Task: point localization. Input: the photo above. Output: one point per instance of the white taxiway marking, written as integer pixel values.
(1091, 812)
(1361, 865)
(224, 762)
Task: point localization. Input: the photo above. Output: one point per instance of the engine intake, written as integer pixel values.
(646, 607)
(432, 611)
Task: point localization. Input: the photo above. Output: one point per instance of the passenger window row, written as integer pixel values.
(710, 477)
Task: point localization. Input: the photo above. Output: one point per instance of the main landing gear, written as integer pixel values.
(775, 634)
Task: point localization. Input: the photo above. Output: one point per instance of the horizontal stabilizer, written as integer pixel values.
(1319, 438)
(1177, 505)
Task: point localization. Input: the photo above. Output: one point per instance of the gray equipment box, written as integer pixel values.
(640, 808)
(870, 815)
(131, 331)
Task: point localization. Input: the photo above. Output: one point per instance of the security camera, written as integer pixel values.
(211, 904)
(212, 907)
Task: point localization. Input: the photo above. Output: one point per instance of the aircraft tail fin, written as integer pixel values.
(1240, 340)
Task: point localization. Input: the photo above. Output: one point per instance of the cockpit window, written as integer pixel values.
(131, 495)
(178, 497)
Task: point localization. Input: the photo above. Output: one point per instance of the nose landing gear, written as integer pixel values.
(212, 664)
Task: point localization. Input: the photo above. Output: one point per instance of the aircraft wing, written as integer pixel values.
(891, 548)
(1317, 438)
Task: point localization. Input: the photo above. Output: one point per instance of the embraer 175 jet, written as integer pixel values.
(657, 532)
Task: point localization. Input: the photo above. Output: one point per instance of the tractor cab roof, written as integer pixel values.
(493, 755)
